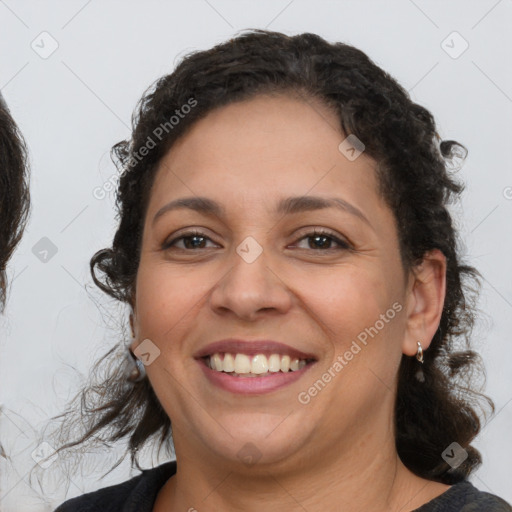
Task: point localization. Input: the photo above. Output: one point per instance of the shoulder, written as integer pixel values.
(479, 500)
(464, 497)
(138, 493)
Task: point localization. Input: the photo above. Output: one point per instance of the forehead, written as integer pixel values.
(264, 128)
(263, 147)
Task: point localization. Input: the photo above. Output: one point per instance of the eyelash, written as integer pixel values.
(320, 232)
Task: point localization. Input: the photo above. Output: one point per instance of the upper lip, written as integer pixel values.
(251, 348)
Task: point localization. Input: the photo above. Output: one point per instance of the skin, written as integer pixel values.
(316, 297)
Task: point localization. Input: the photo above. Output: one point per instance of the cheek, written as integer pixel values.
(359, 310)
(168, 300)
(345, 300)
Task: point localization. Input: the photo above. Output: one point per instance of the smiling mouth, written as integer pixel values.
(259, 365)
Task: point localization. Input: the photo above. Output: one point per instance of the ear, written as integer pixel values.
(426, 290)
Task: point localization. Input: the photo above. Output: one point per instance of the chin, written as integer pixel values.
(257, 442)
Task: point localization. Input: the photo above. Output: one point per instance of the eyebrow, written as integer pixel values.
(286, 206)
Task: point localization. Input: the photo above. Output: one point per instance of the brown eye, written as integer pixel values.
(323, 240)
(191, 241)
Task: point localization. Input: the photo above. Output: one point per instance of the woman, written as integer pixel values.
(298, 305)
(14, 191)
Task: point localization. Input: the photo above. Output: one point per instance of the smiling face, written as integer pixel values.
(256, 163)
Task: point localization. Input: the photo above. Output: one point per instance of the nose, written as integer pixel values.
(250, 289)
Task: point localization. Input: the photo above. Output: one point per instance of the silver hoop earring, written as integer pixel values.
(138, 373)
(419, 356)
(419, 353)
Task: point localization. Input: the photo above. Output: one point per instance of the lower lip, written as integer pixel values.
(252, 385)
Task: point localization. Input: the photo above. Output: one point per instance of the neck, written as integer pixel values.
(370, 479)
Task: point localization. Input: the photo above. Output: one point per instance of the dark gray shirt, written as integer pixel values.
(139, 495)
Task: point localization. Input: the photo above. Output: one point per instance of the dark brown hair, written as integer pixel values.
(416, 181)
(14, 191)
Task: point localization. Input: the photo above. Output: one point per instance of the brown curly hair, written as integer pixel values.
(415, 180)
(14, 191)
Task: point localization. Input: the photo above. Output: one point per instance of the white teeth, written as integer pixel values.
(255, 365)
(259, 364)
(274, 363)
(217, 362)
(228, 364)
(242, 363)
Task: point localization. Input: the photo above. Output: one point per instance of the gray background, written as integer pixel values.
(74, 104)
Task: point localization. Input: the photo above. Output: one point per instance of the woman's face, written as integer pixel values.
(257, 271)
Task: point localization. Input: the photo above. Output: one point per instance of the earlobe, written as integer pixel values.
(426, 293)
